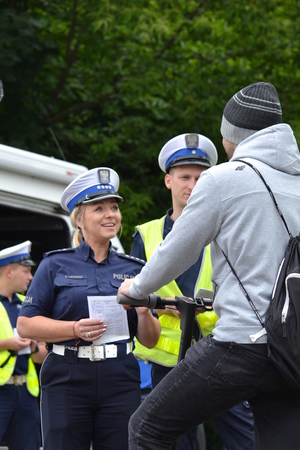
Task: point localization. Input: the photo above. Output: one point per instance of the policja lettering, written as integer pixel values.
(121, 276)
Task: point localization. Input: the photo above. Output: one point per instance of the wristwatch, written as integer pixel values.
(37, 349)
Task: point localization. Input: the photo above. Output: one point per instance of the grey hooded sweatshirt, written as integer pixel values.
(231, 208)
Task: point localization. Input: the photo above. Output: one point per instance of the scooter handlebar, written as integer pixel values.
(150, 301)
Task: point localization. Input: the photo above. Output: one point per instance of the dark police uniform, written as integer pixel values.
(235, 426)
(93, 400)
(19, 412)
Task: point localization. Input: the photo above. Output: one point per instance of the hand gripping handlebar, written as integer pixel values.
(152, 301)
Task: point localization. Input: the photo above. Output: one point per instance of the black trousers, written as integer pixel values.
(87, 401)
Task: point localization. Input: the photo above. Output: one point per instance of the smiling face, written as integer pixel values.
(182, 180)
(100, 221)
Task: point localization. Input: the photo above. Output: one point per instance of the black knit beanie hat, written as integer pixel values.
(253, 108)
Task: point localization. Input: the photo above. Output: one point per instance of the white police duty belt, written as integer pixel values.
(93, 352)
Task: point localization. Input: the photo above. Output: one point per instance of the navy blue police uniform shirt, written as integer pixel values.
(186, 281)
(65, 278)
(12, 309)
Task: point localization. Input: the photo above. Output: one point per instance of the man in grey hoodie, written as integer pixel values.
(238, 217)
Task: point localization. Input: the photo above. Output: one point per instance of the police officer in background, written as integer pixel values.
(19, 386)
(183, 159)
(90, 380)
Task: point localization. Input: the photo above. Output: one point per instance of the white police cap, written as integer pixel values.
(95, 184)
(19, 253)
(188, 148)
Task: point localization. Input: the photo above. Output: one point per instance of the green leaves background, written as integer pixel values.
(109, 82)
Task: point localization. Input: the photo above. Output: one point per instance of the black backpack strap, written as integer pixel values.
(243, 289)
(270, 192)
(256, 336)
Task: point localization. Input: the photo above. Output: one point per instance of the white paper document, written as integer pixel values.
(112, 314)
(25, 350)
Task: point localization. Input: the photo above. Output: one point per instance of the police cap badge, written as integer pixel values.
(95, 184)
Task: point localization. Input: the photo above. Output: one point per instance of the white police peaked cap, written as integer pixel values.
(17, 254)
(188, 148)
(95, 184)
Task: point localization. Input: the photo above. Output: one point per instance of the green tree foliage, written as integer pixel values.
(109, 82)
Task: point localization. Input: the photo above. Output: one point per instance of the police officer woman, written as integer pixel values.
(90, 380)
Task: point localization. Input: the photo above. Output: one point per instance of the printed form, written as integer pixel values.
(112, 314)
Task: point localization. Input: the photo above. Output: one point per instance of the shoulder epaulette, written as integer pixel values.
(132, 258)
(59, 250)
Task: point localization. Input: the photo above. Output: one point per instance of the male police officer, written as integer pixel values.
(184, 158)
(19, 386)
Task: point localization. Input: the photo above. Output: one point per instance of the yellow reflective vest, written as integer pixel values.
(166, 350)
(7, 361)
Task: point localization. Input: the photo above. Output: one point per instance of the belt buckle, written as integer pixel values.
(93, 357)
(18, 381)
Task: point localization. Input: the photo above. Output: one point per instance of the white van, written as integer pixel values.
(30, 189)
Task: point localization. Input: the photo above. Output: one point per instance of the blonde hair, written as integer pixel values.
(78, 235)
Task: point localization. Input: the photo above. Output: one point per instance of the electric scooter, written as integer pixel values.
(186, 306)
